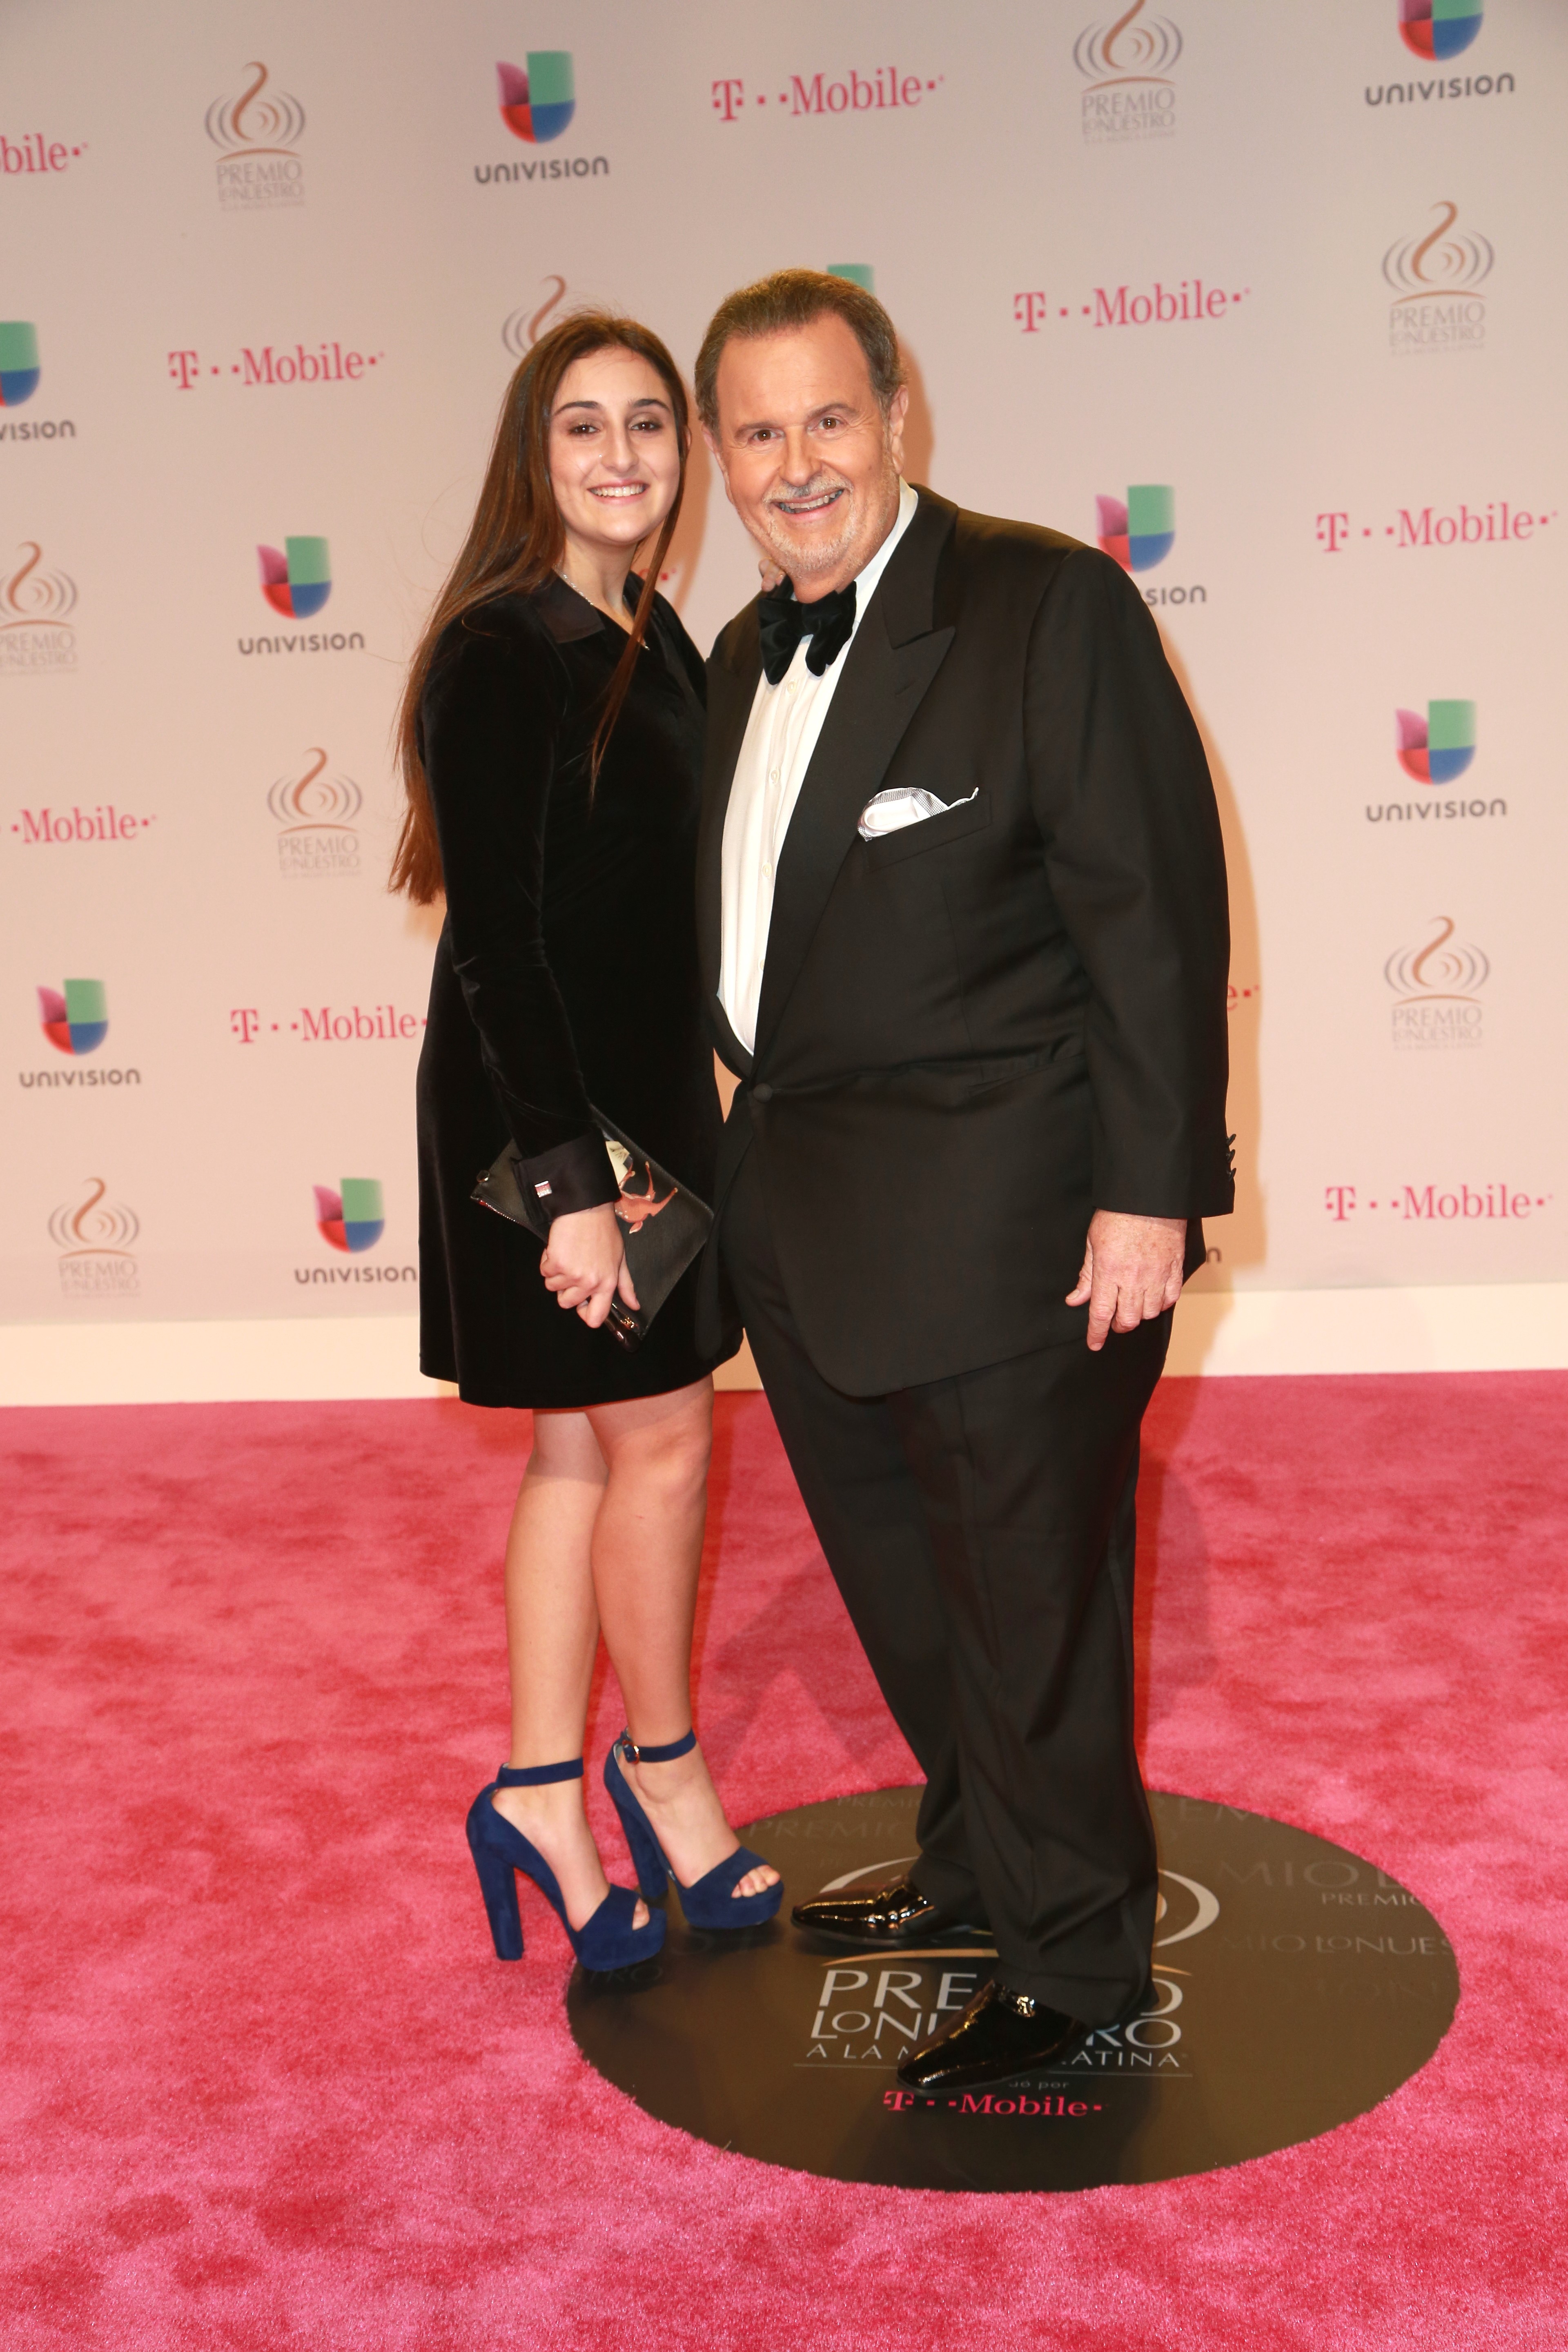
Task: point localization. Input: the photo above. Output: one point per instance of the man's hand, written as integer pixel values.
(1132, 1271)
(584, 1263)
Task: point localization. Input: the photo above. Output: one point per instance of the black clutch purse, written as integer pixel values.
(666, 1226)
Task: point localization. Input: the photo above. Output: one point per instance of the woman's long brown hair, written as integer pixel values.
(514, 546)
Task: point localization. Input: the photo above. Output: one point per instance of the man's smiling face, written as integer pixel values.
(810, 460)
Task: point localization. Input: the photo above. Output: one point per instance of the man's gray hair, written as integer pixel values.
(794, 298)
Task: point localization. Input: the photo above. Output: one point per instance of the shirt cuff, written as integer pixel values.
(572, 1176)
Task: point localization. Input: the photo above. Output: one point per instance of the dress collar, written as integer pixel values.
(567, 614)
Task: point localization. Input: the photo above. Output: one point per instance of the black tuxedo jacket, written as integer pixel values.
(978, 1030)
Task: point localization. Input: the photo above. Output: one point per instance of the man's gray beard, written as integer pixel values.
(823, 555)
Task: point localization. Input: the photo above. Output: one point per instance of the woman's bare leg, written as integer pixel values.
(552, 1635)
(646, 1550)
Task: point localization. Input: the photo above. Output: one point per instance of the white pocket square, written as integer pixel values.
(890, 811)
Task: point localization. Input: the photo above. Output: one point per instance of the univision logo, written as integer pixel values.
(315, 814)
(259, 133)
(1436, 748)
(76, 1021)
(538, 102)
(35, 605)
(1140, 530)
(1440, 29)
(18, 361)
(351, 1222)
(296, 578)
(352, 1218)
(94, 1236)
(537, 105)
(19, 375)
(1437, 31)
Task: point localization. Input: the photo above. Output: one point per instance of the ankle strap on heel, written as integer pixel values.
(635, 1755)
(535, 1776)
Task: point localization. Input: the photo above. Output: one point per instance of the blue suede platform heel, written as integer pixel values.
(711, 1903)
(608, 1940)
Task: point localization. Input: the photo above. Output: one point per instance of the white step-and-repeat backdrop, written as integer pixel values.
(1266, 299)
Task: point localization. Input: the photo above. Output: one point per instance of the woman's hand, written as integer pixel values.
(584, 1263)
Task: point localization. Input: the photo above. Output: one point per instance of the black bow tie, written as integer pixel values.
(829, 624)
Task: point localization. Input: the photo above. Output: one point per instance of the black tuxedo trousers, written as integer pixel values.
(980, 1529)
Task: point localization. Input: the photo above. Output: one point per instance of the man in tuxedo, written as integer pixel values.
(965, 945)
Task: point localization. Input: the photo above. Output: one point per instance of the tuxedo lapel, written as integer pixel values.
(896, 653)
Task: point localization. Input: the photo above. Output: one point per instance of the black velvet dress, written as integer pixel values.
(566, 975)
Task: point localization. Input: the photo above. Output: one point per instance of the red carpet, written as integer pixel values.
(265, 2086)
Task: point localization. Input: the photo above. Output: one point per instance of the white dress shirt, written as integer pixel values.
(781, 736)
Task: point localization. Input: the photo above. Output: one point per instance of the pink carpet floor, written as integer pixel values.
(265, 2086)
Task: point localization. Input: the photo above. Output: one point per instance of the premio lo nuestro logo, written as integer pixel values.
(1436, 747)
(1440, 29)
(1436, 986)
(352, 1218)
(538, 105)
(35, 604)
(315, 814)
(259, 133)
(296, 578)
(522, 330)
(1140, 530)
(1126, 64)
(94, 1237)
(76, 1021)
(1436, 278)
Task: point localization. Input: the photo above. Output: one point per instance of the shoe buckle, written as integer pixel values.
(1022, 2003)
(630, 1752)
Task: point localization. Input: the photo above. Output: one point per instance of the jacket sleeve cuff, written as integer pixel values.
(572, 1176)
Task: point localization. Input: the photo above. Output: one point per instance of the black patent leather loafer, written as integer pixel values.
(999, 2036)
(893, 1915)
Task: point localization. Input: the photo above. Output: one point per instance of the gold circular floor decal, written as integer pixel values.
(1295, 1986)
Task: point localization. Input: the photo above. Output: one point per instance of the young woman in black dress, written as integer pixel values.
(551, 742)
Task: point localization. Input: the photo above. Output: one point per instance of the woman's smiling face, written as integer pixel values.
(615, 452)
